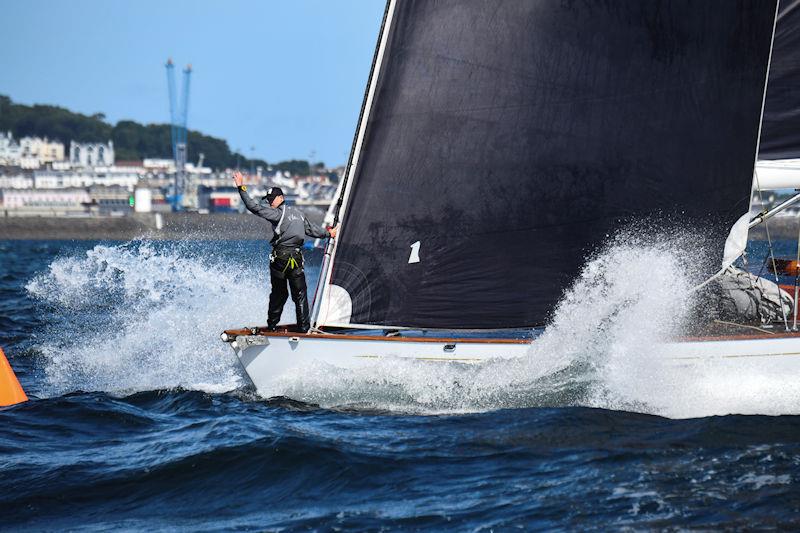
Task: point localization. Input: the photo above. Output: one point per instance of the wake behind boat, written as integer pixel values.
(495, 151)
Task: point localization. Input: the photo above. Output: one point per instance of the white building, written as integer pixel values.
(20, 181)
(46, 201)
(166, 166)
(29, 152)
(10, 151)
(126, 177)
(91, 154)
(42, 149)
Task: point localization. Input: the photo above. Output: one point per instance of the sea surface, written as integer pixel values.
(140, 418)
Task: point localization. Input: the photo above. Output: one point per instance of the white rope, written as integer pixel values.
(709, 280)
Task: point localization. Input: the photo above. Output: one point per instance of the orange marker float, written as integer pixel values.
(10, 390)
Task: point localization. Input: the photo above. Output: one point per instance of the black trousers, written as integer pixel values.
(283, 272)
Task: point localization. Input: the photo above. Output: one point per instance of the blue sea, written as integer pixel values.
(140, 419)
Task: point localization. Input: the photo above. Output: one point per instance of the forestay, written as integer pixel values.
(506, 140)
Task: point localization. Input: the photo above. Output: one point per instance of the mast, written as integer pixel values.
(352, 161)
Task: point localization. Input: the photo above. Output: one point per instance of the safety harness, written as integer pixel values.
(291, 264)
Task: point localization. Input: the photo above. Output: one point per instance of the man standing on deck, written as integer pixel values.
(286, 260)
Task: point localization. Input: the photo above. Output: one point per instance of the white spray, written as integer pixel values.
(597, 351)
(142, 317)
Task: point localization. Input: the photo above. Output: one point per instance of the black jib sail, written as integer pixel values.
(780, 131)
(505, 140)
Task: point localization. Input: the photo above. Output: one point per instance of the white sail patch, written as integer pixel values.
(414, 257)
(337, 306)
(736, 241)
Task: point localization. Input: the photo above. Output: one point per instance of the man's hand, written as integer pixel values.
(238, 179)
(333, 231)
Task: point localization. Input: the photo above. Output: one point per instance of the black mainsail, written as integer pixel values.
(780, 131)
(505, 140)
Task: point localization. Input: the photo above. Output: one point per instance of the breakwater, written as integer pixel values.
(142, 225)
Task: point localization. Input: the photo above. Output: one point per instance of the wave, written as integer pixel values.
(597, 350)
(145, 316)
(142, 316)
(223, 460)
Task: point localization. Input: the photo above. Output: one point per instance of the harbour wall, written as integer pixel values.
(216, 226)
(171, 226)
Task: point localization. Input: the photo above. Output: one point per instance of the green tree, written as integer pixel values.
(132, 141)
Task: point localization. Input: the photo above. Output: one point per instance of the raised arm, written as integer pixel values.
(264, 211)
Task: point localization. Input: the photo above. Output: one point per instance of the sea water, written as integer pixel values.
(142, 419)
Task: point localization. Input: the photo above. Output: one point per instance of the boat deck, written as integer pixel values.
(516, 336)
(715, 331)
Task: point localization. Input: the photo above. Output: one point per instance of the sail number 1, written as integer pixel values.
(414, 257)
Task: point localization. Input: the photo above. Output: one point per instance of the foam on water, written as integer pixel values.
(598, 349)
(601, 349)
(143, 316)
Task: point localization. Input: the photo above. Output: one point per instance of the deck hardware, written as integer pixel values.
(449, 347)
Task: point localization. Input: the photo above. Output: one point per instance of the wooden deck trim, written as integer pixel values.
(339, 336)
(743, 336)
(262, 332)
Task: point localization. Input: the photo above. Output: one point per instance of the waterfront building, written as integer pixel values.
(91, 154)
(41, 149)
(18, 181)
(45, 201)
(99, 200)
(222, 199)
(110, 200)
(163, 166)
(10, 151)
(126, 177)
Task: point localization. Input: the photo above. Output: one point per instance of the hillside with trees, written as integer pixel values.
(132, 141)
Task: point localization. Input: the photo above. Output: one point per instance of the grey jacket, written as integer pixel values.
(293, 225)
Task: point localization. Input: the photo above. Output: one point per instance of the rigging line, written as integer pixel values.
(796, 280)
(709, 280)
(330, 245)
(771, 252)
(744, 326)
(355, 154)
(755, 168)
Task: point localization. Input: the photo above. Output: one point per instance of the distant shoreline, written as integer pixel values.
(174, 226)
(219, 226)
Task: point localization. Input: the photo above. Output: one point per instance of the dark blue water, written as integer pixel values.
(140, 420)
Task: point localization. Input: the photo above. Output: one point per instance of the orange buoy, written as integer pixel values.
(10, 390)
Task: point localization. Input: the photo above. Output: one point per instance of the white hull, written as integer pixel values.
(268, 358)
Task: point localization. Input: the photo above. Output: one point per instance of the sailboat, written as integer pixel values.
(499, 144)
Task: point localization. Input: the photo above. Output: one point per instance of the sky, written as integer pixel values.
(276, 79)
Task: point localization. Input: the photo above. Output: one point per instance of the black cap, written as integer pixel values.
(273, 193)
